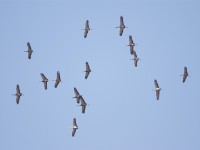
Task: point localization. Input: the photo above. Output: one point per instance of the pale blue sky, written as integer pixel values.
(123, 112)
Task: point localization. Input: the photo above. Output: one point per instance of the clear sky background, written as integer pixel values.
(123, 112)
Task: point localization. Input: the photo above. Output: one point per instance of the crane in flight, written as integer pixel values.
(18, 94)
(87, 70)
(135, 58)
(58, 79)
(185, 74)
(121, 26)
(77, 95)
(44, 80)
(29, 51)
(87, 28)
(83, 104)
(74, 127)
(157, 89)
(131, 44)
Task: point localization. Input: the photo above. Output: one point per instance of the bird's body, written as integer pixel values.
(157, 89)
(131, 44)
(44, 80)
(77, 95)
(58, 79)
(18, 94)
(30, 51)
(74, 127)
(87, 28)
(87, 70)
(185, 74)
(121, 26)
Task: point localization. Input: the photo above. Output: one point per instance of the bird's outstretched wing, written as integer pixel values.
(83, 104)
(74, 125)
(130, 40)
(29, 54)
(29, 45)
(135, 55)
(135, 58)
(185, 74)
(73, 131)
(121, 21)
(45, 85)
(17, 94)
(87, 24)
(17, 89)
(58, 79)
(87, 71)
(87, 67)
(156, 84)
(86, 28)
(157, 91)
(29, 50)
(43, 77)
(121, 31)
(74, 122)
(85, 33)
(44, 80)
(77, 95)
(131, 44)
(17, 99)
(157, 94)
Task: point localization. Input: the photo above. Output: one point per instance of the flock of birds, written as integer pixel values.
(78, 97)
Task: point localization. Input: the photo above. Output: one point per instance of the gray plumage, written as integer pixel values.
(135, 58)
(44, 80)
(131, 44)
(30, 51)
(75, 127)
(87, 70)
(87, 28)
(58, 79)
(185, 74)
(121, 26)
(157, 89)
(18, 94)
(83, 104)
(77, 95)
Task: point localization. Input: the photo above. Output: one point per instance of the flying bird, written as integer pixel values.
(121, 26)
(44, 80)
(74, 127)
(77, 95)
(18, 94)
(30, 51)
(87, 71)
(131, 44)
(157, 89)
(135, 58)
(58, 79)
(87, 28)
(185, 74)
(83, 104)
